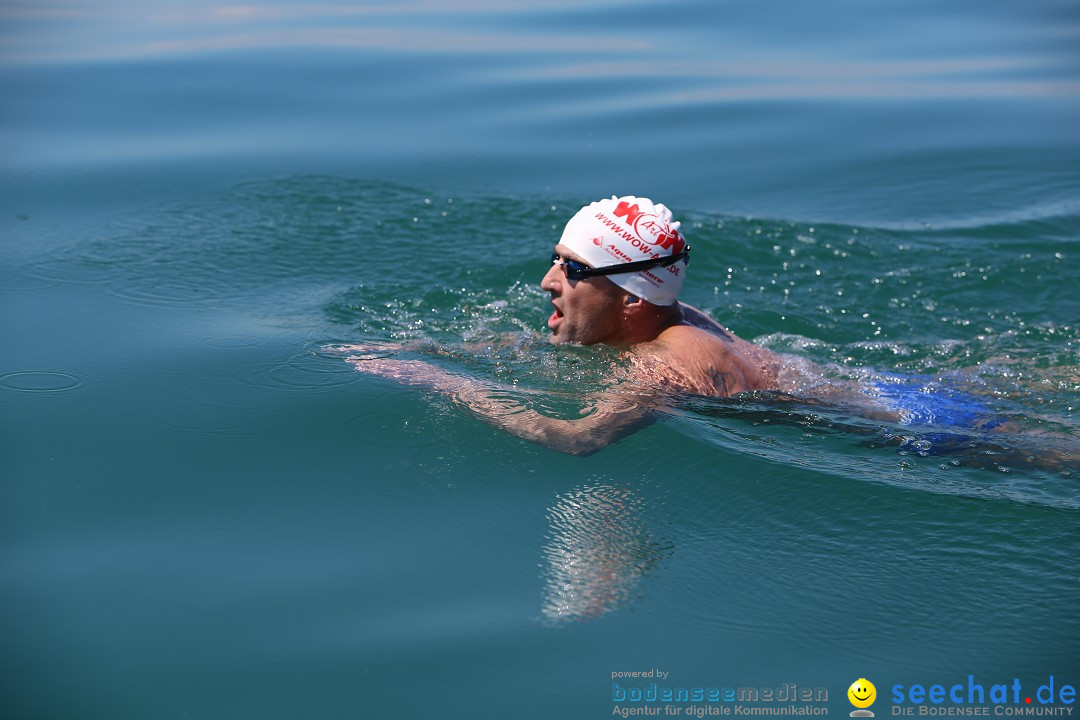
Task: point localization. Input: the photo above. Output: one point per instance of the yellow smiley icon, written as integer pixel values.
(862, 693)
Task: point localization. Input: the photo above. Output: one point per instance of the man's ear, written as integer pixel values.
(632, 304)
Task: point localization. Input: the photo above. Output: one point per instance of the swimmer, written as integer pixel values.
(614, 280)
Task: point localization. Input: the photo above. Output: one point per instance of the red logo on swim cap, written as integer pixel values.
(650, 228)
(598, 240)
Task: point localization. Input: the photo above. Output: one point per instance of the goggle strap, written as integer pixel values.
(639, 265)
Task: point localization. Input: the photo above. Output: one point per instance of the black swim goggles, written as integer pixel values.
(579, 271)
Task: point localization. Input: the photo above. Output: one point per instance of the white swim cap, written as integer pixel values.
(630, 229)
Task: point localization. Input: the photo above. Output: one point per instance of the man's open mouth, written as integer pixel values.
(555, 319)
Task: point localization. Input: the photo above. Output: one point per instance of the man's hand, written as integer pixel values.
(367, 350)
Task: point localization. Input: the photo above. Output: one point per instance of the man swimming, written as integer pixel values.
(614, 280)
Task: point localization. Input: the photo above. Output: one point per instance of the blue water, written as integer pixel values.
(206, 514)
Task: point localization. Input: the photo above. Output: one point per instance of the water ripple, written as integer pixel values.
(41, 381)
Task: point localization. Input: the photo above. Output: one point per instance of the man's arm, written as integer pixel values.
(608, 417)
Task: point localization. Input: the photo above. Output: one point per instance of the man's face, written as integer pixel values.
(587, 311)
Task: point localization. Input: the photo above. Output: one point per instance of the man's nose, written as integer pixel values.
(548, 281)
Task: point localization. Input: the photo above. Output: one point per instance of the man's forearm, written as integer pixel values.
(607, 419)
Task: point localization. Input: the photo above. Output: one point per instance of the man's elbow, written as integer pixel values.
(586, 436)
(583, 449)
(575, 443)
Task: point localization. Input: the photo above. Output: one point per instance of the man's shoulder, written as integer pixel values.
(710, 360)
(689, 359)
(687, 347)
(694, 340)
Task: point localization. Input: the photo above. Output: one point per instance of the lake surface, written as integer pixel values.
(205, 514)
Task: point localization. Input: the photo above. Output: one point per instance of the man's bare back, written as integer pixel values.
(698, 355)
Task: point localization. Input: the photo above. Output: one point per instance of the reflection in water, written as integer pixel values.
(596, 552)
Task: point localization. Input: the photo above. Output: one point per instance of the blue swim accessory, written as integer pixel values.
(925, 401)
